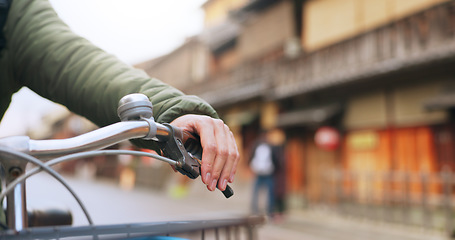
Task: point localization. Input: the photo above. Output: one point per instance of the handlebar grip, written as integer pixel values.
(192, 144)
(49, 217)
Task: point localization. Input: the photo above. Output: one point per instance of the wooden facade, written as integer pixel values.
(379, 76)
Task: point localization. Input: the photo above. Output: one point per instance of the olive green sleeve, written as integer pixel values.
(57, 64)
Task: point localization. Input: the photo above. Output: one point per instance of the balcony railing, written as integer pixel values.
(423, 39)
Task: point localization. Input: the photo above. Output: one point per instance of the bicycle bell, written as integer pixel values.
(134, 107)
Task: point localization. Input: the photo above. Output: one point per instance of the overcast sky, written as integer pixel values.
(133, 30)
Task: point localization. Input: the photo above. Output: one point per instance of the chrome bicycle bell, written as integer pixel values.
(134, 107)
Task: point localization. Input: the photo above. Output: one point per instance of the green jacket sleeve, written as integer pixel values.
(46, 56)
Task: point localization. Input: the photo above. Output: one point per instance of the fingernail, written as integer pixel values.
(207, 178)
(223, 186)
(213, 185)
(231, 178)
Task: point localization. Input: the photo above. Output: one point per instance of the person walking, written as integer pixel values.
(279, 176)
(263, 164)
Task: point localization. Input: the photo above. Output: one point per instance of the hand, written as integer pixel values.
(220, 154)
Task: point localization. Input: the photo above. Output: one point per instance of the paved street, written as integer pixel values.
(316, 225)
(109, 204)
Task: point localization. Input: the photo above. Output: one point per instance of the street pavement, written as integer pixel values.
(110, 204)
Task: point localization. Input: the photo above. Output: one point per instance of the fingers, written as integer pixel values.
(226, 156)
(236, 158)
(220, 154)
(232, 158)
(209, 154)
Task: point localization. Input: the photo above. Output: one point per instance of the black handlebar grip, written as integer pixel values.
(228, 192)
(49, 217)
(192, 144)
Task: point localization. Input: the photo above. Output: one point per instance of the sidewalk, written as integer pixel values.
(319, 225)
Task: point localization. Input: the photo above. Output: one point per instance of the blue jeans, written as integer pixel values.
(261, 182)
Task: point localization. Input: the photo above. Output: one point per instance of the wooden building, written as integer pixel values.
(379, 71)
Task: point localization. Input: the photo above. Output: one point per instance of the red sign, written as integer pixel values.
(327, 138)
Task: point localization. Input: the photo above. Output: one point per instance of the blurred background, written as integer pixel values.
(360, 94)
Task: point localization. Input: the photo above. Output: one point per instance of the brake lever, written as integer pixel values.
(185, 148)
(174, 149)
(138, 106)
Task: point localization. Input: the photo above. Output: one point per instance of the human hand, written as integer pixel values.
(220, 154)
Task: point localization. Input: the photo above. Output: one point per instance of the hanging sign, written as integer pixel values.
(327, 138)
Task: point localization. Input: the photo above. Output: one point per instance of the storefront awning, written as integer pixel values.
(309, 116)
(220, 36)
(440, 102)
(235, 94)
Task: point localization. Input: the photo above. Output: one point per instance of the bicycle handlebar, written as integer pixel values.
(135, 111)
(97, 139)
(181, 149)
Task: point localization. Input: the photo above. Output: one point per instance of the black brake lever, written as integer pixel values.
(174, 149)
(185, 148)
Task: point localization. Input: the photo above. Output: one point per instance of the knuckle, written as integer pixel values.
(236, 155)
(216, 174)
(218, 122)
(223, 152)
(206, 166)
(206, 118)
(233, 154)
(211, 147)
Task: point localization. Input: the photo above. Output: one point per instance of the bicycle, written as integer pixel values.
(181, 149)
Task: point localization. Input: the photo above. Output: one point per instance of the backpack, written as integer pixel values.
(4, 8)
(262, 163)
